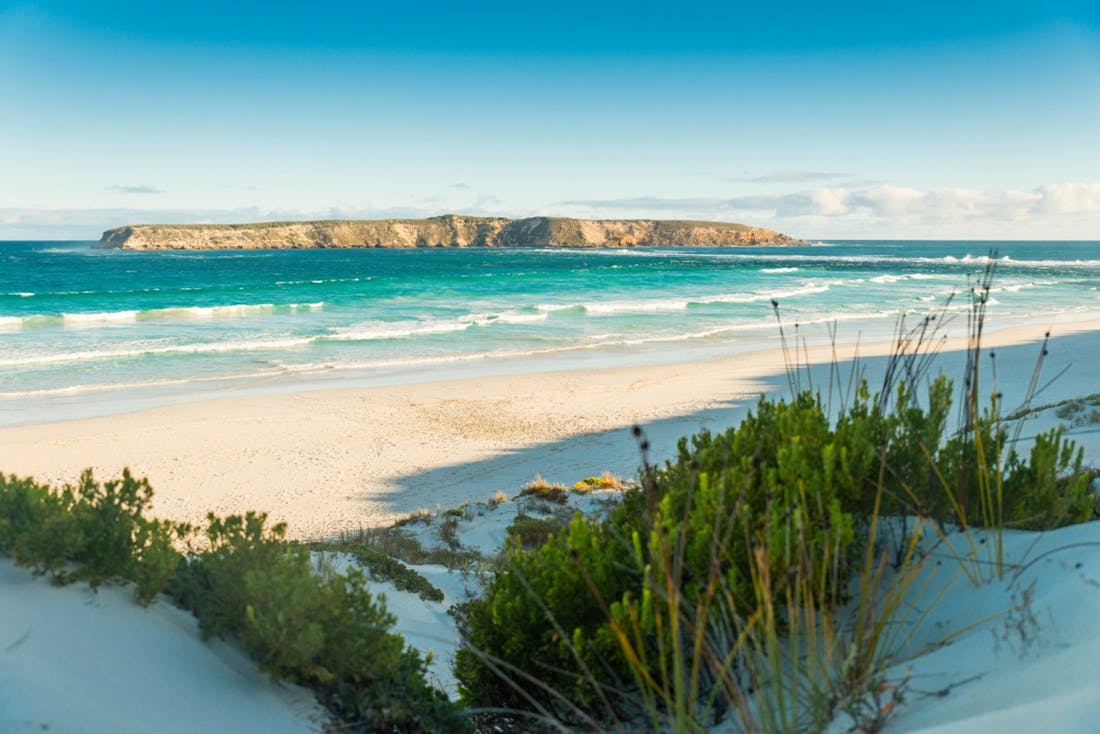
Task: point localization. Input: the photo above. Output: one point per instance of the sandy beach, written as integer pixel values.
(333, 460)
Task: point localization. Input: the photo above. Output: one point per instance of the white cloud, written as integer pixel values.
(831, 202)
(1069, 210)
(1057, 210)
(889, 201)
(135, 189)
(790, 176)
(1069, 198)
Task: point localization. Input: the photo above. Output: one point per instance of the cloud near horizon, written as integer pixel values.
(135, 189)
(1066, 210)
(788, 177)
(1070, 209)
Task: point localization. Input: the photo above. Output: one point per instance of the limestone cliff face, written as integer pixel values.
(445, 231)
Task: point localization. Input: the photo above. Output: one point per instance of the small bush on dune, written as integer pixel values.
(543, 490)
(310, 626)
(538, 627)
(558, 610)
(382, 567)
(607, 480)
(93, 531)
(301, 624)
(531, 532)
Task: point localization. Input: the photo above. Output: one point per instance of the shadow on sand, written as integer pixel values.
(1071, 369)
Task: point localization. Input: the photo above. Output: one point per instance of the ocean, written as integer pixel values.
(91, 332)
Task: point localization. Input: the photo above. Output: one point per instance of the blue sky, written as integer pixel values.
(821, 119)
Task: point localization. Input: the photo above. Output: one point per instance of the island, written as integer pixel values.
(449, 230)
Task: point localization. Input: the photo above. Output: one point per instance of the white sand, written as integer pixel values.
(341, 459)
(75, 662)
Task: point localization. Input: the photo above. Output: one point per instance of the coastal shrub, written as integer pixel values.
(93, 531)
(211, 584)
(421, 516)
(988, 484)
(1051, 488)
(397, 542)
(607, 480)
(307, 625)
(538, 637)
(382, 567)
(448, 531)
(37, 526)
(531, 532)
(543, 490)
(762, 522)
(776, 481)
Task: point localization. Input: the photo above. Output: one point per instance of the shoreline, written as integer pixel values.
(343, 458)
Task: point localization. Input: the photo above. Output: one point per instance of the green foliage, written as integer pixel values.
(778, 478)
(397, 542)
(300, 623)
(212, 584)
(540, 624)
(94, 532)
(531, 532)
(607, 480)
(1049, 490)
(1083, 411)
(541, 489)
(382, 567)
(310, 626)
(763, 524)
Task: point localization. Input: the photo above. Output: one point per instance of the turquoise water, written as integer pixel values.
(86, 331)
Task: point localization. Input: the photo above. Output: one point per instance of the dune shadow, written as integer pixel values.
(1070, 370)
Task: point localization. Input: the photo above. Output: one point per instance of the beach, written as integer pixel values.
(334, 460)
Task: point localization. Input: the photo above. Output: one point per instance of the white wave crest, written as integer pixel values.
(757, 296)
(375, 330)
(378, 330)
(650, 306)
(101, 317)
(140, 351)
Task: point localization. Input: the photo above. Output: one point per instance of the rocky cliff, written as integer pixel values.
(445, 231)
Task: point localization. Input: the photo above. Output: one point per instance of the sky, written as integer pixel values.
(932, 120)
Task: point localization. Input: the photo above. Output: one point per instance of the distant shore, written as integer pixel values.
(332, 460)
(448, 230)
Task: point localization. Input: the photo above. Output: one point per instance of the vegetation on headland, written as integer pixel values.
(449, 230)
(759, 578)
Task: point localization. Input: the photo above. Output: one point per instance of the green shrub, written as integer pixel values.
(94, 532)
(541, 627)
(549, 613)
(212, 583)
(1049, 490)
(382, 567)
(531, 532)
(607, 480)
(310, 626)
(543, 490)
(782, 493)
